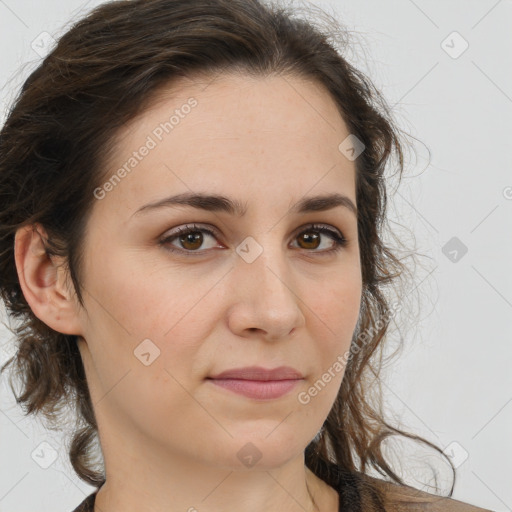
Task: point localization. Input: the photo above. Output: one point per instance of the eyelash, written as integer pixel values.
(340, 241)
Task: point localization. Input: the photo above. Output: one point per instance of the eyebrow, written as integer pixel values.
(219, 203)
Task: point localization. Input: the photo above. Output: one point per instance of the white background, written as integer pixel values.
(452, 382)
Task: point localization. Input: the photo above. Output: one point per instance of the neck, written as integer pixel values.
(145, 482)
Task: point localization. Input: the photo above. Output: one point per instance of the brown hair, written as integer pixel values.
(101, 74)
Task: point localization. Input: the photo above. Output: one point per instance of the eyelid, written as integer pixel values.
(184, 229)
(191, 226)
(319, 226)
(336, 235)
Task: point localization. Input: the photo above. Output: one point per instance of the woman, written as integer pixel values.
(191, 236)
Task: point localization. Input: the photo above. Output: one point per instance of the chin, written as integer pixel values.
(265, 453)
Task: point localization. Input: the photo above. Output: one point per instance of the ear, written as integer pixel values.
(43, 282)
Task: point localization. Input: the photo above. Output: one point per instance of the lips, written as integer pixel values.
(258, 383)
(259, 373)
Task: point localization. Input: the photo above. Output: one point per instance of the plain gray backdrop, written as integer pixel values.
(445, 68)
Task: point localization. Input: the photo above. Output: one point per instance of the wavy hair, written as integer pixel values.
(104, 71)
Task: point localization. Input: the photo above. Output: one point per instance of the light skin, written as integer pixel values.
(170, 437)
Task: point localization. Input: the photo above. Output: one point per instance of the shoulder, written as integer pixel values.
(402, 498)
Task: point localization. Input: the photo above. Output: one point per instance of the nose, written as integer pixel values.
(266, 303)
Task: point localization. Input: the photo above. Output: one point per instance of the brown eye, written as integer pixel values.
(310, 239)
(192, 240)
(189, 240)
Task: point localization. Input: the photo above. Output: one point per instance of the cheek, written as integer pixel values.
(144, 337)
(336, 313)
(337, 303)
(147, 299)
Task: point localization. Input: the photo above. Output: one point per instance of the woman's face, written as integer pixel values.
(166, 312)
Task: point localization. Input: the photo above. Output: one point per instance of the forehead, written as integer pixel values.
(233, 132)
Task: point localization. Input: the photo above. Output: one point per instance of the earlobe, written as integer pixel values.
(43, 282)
